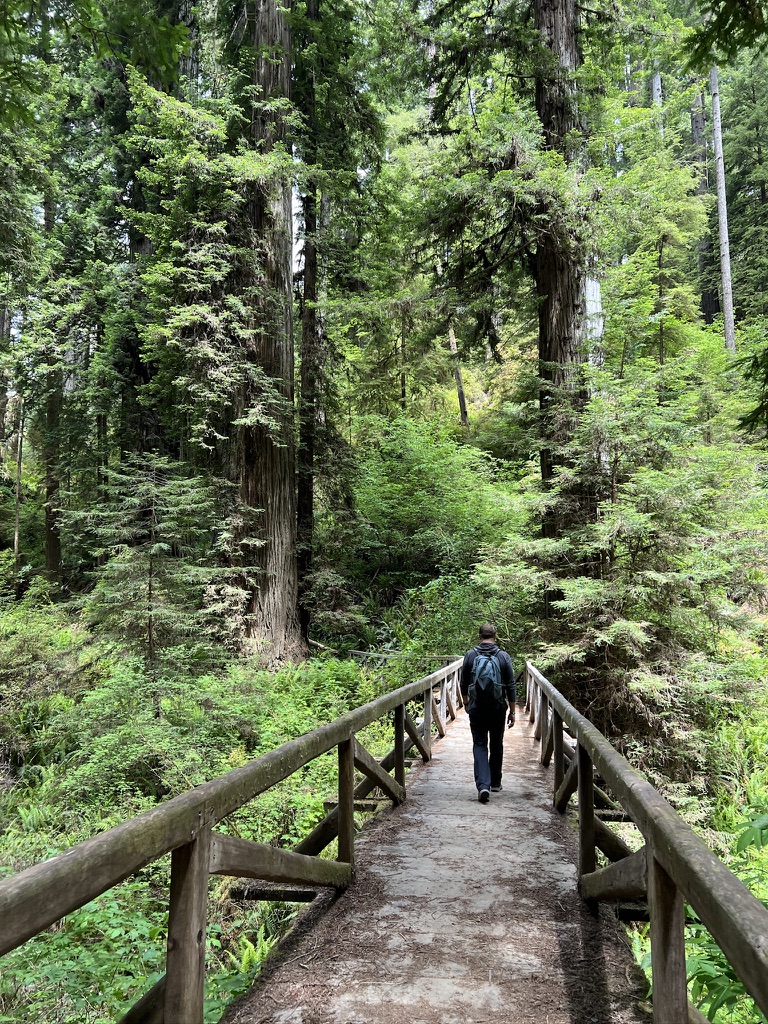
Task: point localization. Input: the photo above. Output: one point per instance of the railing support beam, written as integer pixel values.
(185, 965)
(670, 989)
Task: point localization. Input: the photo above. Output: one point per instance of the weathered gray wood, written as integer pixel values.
(437, 717)
(537, 710)
(624, 880)
(620, 816)
(150, 1009)
(185, 962)
(426, 728)
(603, 801)
(33, 899)
(587, 860)
(737, 920)
(347, 801)
(327, 829)
(544, 730)
(415, 735)
(371, 767)
(399, 717)
(547, 748)
(567, 787)
(450, 706)
(670, 987)
(273, 892)
(243, 859)
(609, 843)
(364, 806)
(533, 701)
(557, 748)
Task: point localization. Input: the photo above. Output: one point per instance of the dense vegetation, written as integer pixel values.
(346, 327)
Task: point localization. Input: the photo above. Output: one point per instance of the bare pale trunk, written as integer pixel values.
(458, 378)
(722, 215)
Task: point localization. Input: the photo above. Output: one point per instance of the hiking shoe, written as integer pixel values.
(496, 789)
(483, 796)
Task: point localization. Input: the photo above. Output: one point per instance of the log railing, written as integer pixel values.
(674, 866)
(34, 899)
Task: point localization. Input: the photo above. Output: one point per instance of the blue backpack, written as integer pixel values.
(485, 683)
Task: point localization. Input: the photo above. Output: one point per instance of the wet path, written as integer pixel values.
(462, 913)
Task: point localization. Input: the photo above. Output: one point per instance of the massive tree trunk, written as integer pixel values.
(265, 458)
(311, 362)
(560, 270)
(722, 215)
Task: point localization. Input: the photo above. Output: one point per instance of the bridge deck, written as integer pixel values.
(462, 913)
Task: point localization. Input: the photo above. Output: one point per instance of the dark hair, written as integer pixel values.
(487, 632)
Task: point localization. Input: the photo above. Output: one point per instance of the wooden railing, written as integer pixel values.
(673, 866)
(36, 898)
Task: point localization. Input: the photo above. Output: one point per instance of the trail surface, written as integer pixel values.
(461, 913)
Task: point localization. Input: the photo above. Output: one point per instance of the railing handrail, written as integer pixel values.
(97, 864)
(736, 919)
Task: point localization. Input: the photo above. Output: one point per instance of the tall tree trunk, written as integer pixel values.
(266, 459)
(17, 516)
(458, 377)
(722, 215)
(311, 363)
(710, 303)
(559, 272)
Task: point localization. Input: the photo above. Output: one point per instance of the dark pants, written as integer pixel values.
(487, 728)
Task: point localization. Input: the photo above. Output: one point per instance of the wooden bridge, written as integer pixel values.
(485, 960)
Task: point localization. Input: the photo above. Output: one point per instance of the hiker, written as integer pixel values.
(488, 689)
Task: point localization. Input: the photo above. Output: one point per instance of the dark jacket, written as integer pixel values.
(507, 672)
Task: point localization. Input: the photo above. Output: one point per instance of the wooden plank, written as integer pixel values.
(273, 892)
(239, 857)
(371, 767)
(557, 748)
(416, 737)
(363, 806)
(548, 746)
(185, 962)
(449, 703)
(437, 717)
(609, 843)
(567, 788)
(399, 752)
(587, 859)
(543, 725)
(347, 801)
(624, 880)
(150, 1009)
(668, 971)
(426, 727)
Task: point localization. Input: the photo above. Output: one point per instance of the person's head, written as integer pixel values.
(487, 633)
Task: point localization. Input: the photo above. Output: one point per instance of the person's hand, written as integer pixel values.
(510, 719)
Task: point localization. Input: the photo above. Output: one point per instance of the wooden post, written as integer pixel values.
(185, 965)
(532, 701)
(428, 722)
(347, 801)
(557, 731)
(544, 727)
(670, 990)
(528, 685)
(400, 744)
(587, 859)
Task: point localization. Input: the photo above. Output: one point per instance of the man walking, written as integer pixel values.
(488, 689)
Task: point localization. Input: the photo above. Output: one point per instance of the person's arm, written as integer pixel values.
(465, 677)
(511, 690)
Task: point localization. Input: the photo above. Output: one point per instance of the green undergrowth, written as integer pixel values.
(87, 741)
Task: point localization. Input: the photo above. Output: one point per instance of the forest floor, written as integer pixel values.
(461, 913)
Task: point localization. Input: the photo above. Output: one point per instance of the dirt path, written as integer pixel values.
(462, 913)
